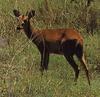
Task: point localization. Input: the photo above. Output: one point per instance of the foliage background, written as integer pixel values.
(20, 59)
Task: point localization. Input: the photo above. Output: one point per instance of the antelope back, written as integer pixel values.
(61, 35)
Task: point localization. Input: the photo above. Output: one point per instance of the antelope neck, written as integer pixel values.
(30, 34)
(28, 30)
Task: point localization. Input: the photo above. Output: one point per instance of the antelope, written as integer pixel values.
(66, 42)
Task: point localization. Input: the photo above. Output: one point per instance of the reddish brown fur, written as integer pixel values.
(67, 42)
(52, 35)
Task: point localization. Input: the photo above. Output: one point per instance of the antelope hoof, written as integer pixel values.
(76, 76)
(41, 70)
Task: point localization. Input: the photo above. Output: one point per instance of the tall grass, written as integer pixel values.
(20, 59)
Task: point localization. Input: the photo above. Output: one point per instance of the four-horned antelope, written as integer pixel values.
(67, 42)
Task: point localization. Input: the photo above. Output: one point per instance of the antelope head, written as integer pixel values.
(23, 20)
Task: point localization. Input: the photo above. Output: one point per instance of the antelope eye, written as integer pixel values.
(22, 24)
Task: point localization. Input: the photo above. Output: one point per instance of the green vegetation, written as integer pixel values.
(20, 59)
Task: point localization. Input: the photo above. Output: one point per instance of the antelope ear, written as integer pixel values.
(16, 13)
(31, 14)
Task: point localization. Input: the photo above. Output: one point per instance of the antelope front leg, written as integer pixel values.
(44, 61)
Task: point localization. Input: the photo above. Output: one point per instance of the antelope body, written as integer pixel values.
(67, 42)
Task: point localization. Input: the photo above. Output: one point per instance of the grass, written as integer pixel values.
(20, 59)
(20, 76)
